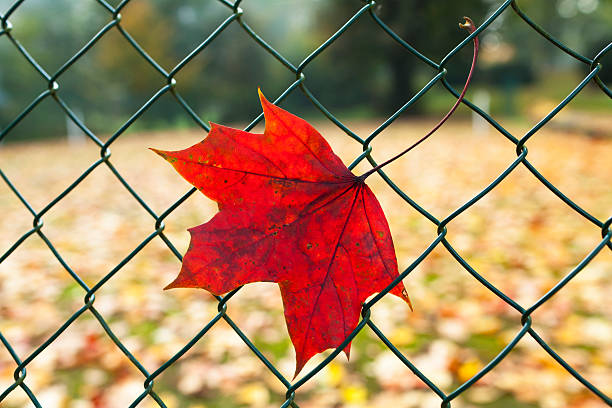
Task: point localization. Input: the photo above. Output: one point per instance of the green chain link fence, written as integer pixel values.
(236, 16)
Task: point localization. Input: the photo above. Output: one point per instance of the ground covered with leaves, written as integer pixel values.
(520, 237)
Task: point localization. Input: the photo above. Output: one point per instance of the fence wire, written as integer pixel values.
(236, 16)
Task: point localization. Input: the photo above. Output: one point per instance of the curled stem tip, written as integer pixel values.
(468, 25)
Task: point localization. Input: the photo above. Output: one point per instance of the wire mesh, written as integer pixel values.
(236, 16)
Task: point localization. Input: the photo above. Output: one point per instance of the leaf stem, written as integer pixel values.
(468, 25)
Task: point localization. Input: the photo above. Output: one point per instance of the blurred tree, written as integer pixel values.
(369, 67)
(364, 71)
(50, 35)
(153, 32)
(430, 27)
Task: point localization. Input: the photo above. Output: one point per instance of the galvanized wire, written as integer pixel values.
(236, 16)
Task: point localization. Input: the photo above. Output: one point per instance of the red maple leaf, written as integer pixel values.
(292, 213)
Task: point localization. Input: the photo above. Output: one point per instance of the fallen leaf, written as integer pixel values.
(290, 212)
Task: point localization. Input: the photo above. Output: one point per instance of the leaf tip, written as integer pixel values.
(400, 292)
(264, 102)
(407, 299)
(179, 282)
(298, 368)
(171, 285)
(409, 303)
(162, 153)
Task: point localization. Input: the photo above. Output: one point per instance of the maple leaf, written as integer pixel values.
(290, 212)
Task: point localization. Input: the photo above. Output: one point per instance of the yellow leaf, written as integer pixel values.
(402, 336)
(335, 374)
(468, 369)
(254, 394)
(354, 394)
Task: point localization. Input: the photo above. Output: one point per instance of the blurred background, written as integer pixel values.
(375, 74)
(520, 237)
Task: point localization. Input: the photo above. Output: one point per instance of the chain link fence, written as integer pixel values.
(235, 16)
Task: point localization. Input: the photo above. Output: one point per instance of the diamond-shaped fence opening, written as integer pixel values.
(163, 83)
